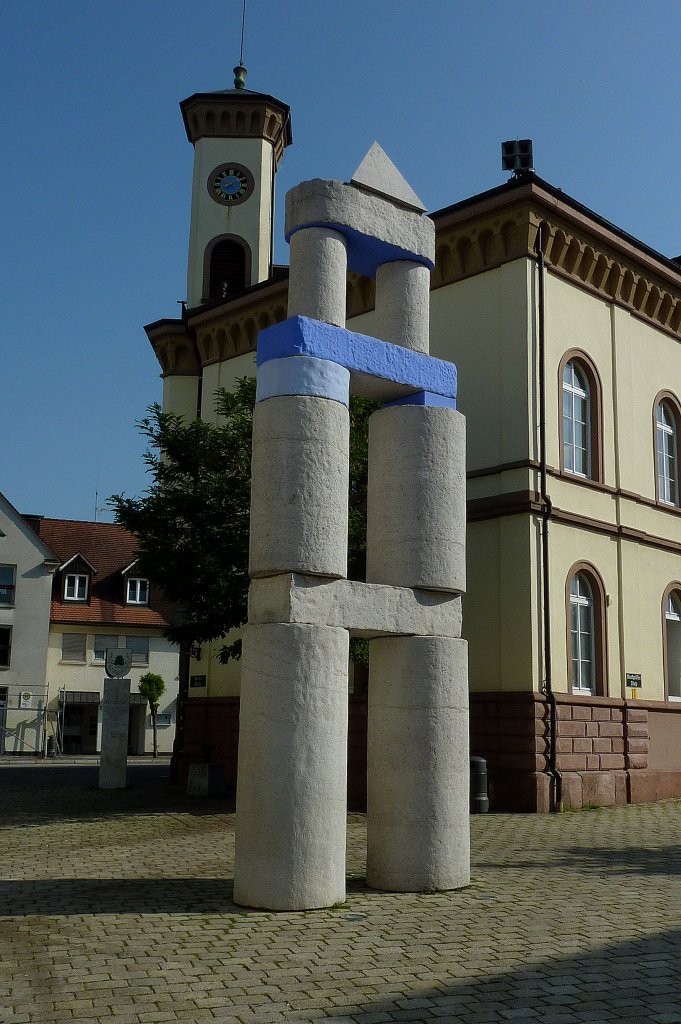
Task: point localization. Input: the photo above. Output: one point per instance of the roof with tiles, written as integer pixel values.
(109, 549)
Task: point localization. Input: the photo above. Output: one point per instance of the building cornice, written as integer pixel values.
(502, 225)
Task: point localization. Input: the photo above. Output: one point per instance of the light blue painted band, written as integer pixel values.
(301, 336)
(303, 375)
(423, 398)
(365, 252)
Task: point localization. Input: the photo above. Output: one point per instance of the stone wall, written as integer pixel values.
(603, 746)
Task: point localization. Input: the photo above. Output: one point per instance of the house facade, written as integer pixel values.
(565, 331)
(26, 568)
(70, 591)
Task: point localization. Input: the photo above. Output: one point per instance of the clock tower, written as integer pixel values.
(239, 137)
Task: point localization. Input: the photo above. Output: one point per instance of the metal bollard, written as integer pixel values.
(479, 798)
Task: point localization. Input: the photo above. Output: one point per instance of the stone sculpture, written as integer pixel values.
(291, 790)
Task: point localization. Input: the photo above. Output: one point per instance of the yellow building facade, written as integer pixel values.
(565, 331)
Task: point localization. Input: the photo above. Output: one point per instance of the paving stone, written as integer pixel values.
(116, 909)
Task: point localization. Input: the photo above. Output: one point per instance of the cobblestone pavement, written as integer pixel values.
(117, 910)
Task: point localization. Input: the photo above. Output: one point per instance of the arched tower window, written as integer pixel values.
(227, 269)
(672, 642)
(667, 450)
(586, 631)
(581, 450)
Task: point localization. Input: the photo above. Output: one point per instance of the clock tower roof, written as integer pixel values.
(238, 113)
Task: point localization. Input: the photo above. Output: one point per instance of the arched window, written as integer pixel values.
(666, 450)
(580, 420)
(226, 270)
(576, 420)
(672, 643)
(586, 631)
(582, 635)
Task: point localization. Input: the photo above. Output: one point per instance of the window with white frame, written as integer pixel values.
(582, 635)
(101, 643)
(8, 574)
(76, 586)
(139, 645)
(667, 458)
(672, 616)
(137, 590)
(5, 646)
(576, 420)
(73, 647)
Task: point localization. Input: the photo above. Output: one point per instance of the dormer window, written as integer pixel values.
(138, 590)
(76, 586)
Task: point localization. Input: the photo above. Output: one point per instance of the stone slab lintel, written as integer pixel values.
(365, 609)
(401, 369)
(375, 229)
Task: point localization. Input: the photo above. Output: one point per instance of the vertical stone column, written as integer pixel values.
(317, 281)
(113, 760)
(299, 487)
(291, 788)
(403, 304)
(416, 514)
(418, 764)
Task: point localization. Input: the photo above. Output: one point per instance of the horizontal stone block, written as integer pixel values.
(378, 369)
(602, 746)
(572, 729)
(375, 229)
(573, 763)
(617, 745)
(635, 746)
(639, 761)
(582, 745)
(637, 730)
(600, 714)
(637, 715)
(592, 762)
(612, 760)
(366, 609)
(592, 728)
(580, 713)
(611, 729)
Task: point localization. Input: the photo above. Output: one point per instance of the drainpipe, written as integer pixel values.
(553, 769)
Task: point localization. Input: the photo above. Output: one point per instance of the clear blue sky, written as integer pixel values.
(96, 169)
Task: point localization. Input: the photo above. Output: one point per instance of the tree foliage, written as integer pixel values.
(152, 686)
(192, 523)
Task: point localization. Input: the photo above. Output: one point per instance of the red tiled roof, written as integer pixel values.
(109, 548)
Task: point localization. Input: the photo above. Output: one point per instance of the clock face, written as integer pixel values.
(230, 184)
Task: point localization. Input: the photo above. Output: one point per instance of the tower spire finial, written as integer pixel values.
(240, 71)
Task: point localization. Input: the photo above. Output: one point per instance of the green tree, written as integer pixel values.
(192, 523)
(152, 686)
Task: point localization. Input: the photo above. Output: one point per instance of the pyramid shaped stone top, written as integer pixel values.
(377, 173)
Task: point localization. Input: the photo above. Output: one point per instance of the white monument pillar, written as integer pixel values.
(113, 761)
(403, 304)
(417, 764)
(299, 487)
(317, 275)
(291, 783)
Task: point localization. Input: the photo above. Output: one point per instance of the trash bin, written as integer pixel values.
(479, 798)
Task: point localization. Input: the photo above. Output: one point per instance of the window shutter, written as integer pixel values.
(73, 646)
(139, 645)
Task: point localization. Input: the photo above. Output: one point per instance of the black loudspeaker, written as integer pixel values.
(516, 155)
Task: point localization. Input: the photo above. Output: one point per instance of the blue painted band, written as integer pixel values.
(301, 336)
(365, 253)
(423, 398)
(303, 375)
